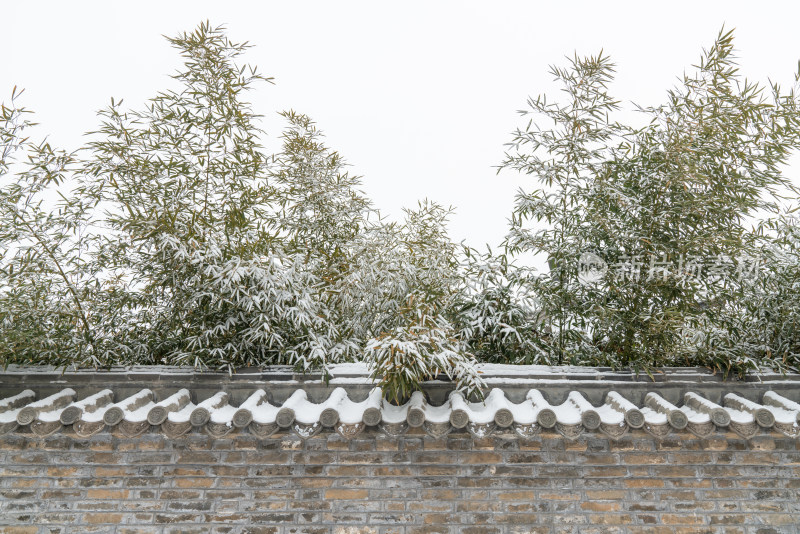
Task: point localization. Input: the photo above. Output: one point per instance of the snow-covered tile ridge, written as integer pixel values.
(244, 415)
(763, 416)
(653, 418)
(201, 413)
(695, 417)
(183, 415)
(611, 416)
(367, 411)
(174, 403)
(524, 413)
(338, 411)
(495, 408)
(20, 399)
(632, 415)
(546, 415)
(92, 403)
(11, 406)
(264, 413)
(298, 408)
(773, 400)
(124, 409)
(718, 415)
(658, 404)
(45, 407)
(590, 416)
(9, 417)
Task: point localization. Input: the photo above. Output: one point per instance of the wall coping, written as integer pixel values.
(521, 401)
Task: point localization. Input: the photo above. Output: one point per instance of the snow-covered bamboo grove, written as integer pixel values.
(173, 237)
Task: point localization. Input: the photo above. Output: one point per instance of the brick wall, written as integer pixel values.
(414, 483)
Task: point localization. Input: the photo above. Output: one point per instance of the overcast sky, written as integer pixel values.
(419, 97)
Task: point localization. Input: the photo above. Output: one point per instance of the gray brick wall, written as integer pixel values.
(410, 484)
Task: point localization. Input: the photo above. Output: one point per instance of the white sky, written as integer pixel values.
(419, 97)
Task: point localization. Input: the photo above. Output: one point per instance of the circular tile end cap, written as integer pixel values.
(547, 418)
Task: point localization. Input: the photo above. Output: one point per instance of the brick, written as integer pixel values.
(596, 506)
(101, 445)
(715, 444)
(194, 482)
(179, 494)
(607, 471)
(579, 445)
(151, 458)
(530, 445)
(762, 443)
(309, 483)
(439, 470)
(321, 458)
(720, 519)
(102, 518)
(135, 482)
(440, 494)
(676, 471)
(362, 458)
(691, 483)
(560, 496)
(478, 458)
(643, 458)
(646, 506)
(606, 494)
(526, 458)
(106, 494)
(346, 471)
(394, 471)
(682, 519)
(693, 506)
(195, 506)
(390, 518)
(197, 457)
(16, 494)
(386, 443)
(479, 506)
(644, 483)
(439, 519)
(670, 444)
(346, 494)
(149, 444)
(225, 518)
(692, 458)
(178, 518)
(307, 506)
(516, 496)
(186, 472)
(528, 507)
(337, 443)
(117, 471)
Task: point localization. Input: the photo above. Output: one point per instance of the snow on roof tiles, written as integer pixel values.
(177, 414)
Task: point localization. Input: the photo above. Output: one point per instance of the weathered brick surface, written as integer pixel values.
(411, 484)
